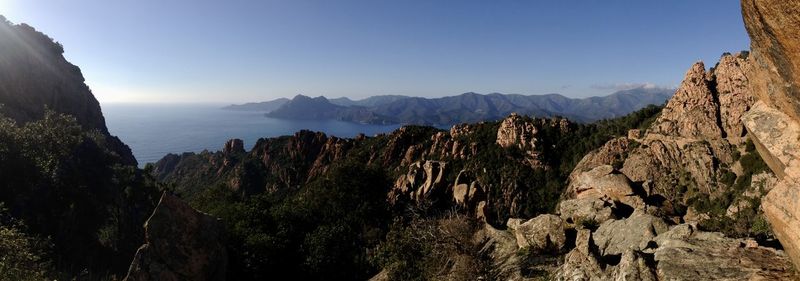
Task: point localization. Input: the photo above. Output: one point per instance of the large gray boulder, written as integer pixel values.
(634, 233)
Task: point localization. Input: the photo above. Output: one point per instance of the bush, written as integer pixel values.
(432, 249)
(22, 256)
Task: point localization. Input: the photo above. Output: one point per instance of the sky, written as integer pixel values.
(198, 51)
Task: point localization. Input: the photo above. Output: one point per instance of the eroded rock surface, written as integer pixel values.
(774, 78)
(181, 244)
(542, 233)
(775, 48)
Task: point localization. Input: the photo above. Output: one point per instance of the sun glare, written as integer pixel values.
(5, 6)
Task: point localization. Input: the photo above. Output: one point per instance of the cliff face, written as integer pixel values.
(775, 47)
(34, 76)
(774, 122)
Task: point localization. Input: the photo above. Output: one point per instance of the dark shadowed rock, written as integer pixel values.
(35, 77)
(233, 146)
(181, 244)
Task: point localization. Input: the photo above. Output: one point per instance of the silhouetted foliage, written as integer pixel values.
(320, 232)
(63, 182)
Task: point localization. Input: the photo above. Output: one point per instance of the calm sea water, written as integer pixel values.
(152, 131)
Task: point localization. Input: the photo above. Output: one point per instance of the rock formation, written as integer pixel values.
(233, 146)
(423, 180)
(35, 77)
(775, 48)
(773, 122)
(681, 253)
(623, 217)
(181, 244)
(696, 141)
(540, 234)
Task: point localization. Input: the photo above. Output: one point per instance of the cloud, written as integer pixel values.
(626, 86)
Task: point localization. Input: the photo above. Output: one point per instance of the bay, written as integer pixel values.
(154, 130)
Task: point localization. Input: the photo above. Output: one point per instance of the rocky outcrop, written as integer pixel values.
(586, 211)
(647, 250)
(423, 180)
(521, 133)
(776, 136)
(467, 190)
(604, 183)
(774, 78)
(692, 112)
(684, 253)
(695, 141)
(181, 244)
(734, 96)
(544, 233)
(233, 146)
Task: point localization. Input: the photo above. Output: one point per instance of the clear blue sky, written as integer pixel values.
(236, 51)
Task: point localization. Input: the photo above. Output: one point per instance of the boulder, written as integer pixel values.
(544, 233)
(683, 253)
(614, 237)
(580, 263)
(604, 182)
(586, 210)
(181, 244)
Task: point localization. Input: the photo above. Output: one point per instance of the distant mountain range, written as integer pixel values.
(468, 107)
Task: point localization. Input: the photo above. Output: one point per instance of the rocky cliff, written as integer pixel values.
(774, 122)
(34, 77)
(692, 149)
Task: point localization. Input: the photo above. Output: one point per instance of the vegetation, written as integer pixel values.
(337, 224)
(748, 221)
(64, 183)
(22, 256)
(432, 249)
(320, 232)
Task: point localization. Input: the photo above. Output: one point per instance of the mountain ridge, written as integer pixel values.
(463, 108)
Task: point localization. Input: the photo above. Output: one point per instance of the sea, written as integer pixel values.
(155, 130)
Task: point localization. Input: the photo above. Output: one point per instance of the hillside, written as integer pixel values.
(72, 202)
(552, 189)
(266, 106)
(677, 191)
(465, 108)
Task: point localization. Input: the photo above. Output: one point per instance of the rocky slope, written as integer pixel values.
(774, 122)
(693, 148)
(639, 207)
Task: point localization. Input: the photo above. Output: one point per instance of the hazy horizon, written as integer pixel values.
(224, 103)
(236, 52)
